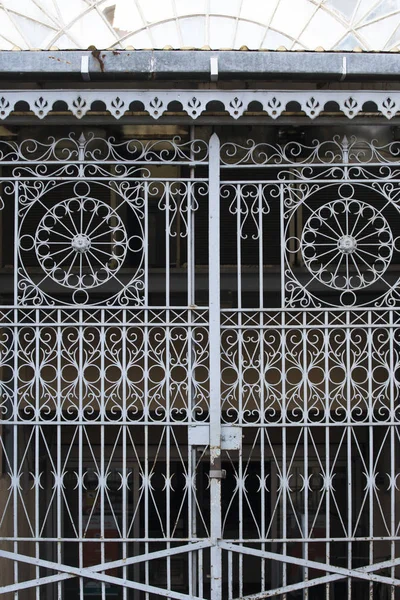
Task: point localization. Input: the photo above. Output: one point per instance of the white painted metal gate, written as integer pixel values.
(199, 366)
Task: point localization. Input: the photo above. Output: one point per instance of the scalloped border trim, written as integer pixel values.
(194, 102)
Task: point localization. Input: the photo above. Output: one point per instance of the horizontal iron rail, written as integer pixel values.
(278, 311)
(184, 423)
(312, 564)
(200, 325)
(143, 539)
(109, 179)
(21, 163)
(329, 119)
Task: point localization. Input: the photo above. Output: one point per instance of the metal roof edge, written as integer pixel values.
(195, 65)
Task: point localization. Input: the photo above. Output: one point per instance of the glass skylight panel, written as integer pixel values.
(249, 34)
(155, 11)
(395, 38)
(225, 7)
(308, 24)
(101, 34)
(193, 30)
(348, 42)
(9, 30)
(71, 10)
(35, 34)
(382, 9)
(291, 17)
(222, 32)
(140, 39)
(363, 8)
(275, 39)
(324, 27)
(345, 8)
(39, 14)
(122, 11)
(377, 35)
(166, 34)
(261, 12)
(190, 7)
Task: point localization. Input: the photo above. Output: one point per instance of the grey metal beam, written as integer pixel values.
(194, 65)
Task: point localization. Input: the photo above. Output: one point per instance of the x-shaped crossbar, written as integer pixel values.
(95, 572)
(366, 573)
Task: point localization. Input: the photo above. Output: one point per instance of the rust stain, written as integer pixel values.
(67, 62)
(100, 58)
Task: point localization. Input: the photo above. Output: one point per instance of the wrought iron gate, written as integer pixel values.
(199, 368)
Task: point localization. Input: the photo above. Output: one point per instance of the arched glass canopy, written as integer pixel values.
(268, 24)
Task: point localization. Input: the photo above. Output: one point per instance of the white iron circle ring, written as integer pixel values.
(81, 243)
(347, 244)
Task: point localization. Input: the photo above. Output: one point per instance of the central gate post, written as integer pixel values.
(215, 366)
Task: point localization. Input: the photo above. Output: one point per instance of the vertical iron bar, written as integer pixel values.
(345, 148)
(146, 502)
(168, 453)
(200, 574)
(59, 438)
(239, 198)
(283, 481)
(191, 299)
(168, 342)
(215, 366)
(124, 416)
(191, 231)
(36, 449)
(167, 246)
(261, 376)
(15, 377)
(146, 382)
(371, 449)
(305, 449)
(102, 477)
(241, 531)
(392, 478)
(146, 247)
(327, 450)
(15, 467)
(230, 576)
(168, 234)
(191, 526)
(81, 453)
(349, 454)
